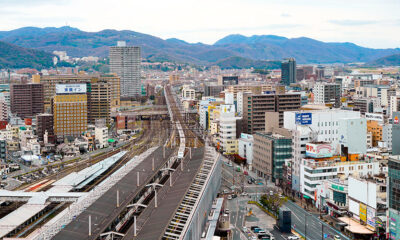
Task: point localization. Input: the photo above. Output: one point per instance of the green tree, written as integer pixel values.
(272, 202)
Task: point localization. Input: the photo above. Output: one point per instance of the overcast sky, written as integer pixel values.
(369, 23)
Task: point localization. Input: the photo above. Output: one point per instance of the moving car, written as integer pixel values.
(337, 237)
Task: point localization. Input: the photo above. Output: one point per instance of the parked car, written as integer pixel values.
(337, 237)
(254, 227)
(229, 197)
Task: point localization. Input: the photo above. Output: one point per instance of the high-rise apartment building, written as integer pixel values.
(99, 101)
(44, 123)
(70, 111)
(256, 106)
(327, 93)
(288, 71)
(114, 81)
(125, 62)
(4, 106)
(26, 100)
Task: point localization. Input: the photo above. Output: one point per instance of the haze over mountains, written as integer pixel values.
(229, 51)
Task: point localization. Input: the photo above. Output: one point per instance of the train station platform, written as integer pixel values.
(104, 210)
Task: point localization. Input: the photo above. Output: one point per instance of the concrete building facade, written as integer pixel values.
(125, 62)
(327, 93)
(255, 107)
(70, 115)
(26, 100)
(270, 152)
(289, 69)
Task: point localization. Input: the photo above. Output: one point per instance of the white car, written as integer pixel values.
(245, 229)
(293, 238)
(229, 197)
(244, 194)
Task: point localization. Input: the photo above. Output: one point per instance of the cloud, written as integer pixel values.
(349, 22)
(285, 15)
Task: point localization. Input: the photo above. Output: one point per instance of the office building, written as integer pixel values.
(394, 197)
(386, 95)
(288, 71)
(101, 136)
(246, 143)
(270, 152)
(327, 93)
(228, 80)
(348, 128)
(227, 129)
(308, 126)
(213, 90)
(26, 100)
(70, 111)
(256, 89)
(258, 105)
(50, 81)
(49, 85)
(362, 82)
(394, 104)
(321, 164)
(396, 133)
(125, 62)
(188, 93)
(366, 105)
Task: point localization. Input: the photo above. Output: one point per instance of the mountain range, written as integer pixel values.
(391, 60)
(12, 56)
(230, 51)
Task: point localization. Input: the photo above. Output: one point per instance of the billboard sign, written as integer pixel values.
(70, 88)
(374, 117)
(319, 150)
(371, 217)
(303, 118)
(363, 212)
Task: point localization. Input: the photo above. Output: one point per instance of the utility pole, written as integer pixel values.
(305, 227)
(322, 233)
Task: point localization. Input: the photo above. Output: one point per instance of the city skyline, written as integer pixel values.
(366, 23)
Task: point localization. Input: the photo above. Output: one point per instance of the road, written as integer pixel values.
(301, 218)
(316, 229)
(237, 206)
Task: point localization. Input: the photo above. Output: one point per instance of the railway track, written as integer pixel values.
(146, 142)
(134, 147)
(192, 140)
